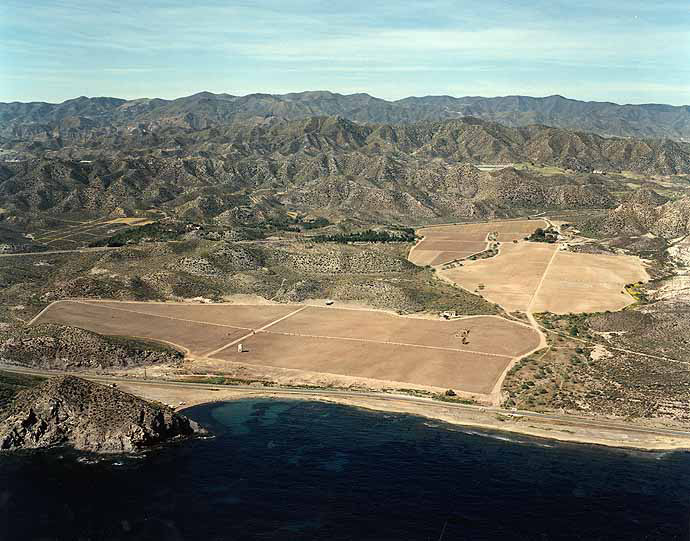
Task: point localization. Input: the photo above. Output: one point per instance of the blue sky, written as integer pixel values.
(627, 51)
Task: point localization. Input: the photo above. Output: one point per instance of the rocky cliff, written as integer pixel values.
(87, 416)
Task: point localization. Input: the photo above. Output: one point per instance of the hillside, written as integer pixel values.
(67, 348)
(331, 166)
(644, 213)
(70, 411)
(284, 271)
(204, 110)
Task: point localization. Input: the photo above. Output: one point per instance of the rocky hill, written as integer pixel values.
(11, 383)
(315, 142)
(205, 110)
(87, 416)
(330, 166)
(68, 348)
(642, 213)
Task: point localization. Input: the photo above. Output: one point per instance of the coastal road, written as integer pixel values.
(306, 393)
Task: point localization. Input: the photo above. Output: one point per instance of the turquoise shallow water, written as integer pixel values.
(307, 470)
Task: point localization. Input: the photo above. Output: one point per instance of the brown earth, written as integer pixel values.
(464, 371)
(487, 334)
(541, 277)
(362, 343)
(588, 283)
(445, 243)
(509, 279)
(195, 338)
(235, 315)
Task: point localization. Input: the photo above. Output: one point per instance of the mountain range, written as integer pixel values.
(248, 171)
(205, 110)
(254, 159)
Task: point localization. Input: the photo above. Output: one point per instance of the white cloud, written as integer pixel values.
(551, 47)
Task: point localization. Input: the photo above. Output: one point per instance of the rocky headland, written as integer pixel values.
(87, 416)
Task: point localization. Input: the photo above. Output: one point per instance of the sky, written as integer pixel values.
(628, 51)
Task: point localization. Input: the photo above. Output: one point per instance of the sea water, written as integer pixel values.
(309, 470)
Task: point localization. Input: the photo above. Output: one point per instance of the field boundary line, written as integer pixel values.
(216, 351)
(454, 240)
(78, 230)
(160, 316)
(404, 344)
(420, 241)
(33, 319)
(317, 306)
(541, 282)
(507, 221)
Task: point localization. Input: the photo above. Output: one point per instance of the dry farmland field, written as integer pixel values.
(541, 277)
(359, 343)
(445, 243)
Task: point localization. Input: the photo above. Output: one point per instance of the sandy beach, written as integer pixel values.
(562, 428)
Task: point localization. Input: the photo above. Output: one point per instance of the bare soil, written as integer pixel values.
(468, 354)
(543, 278)
(442, 244)
(195, 338)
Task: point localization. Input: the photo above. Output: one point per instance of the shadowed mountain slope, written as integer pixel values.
(205, 109)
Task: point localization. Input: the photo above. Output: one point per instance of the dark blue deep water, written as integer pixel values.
(306, 470)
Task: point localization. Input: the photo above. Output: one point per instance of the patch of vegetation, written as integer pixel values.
(138, 344)
(593, 228)
(549, 235)
(155, 232)
(185, 246)
(486, 254)
(454, 399)
(294, 223)
(142, 291)
(637, 292)
(11, 383)
(189, 286)
(370, 235)
(574, 325)
(316, 223)
(448, 396)
(574, 377)
(223, 380)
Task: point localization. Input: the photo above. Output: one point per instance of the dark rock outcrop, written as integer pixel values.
(70, 411)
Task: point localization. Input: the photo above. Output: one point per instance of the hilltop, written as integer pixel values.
(205, 110)
(88, 416)
(329, 166)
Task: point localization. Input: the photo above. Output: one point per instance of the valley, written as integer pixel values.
(450, 260)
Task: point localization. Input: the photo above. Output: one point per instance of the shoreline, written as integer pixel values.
(567, 429)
